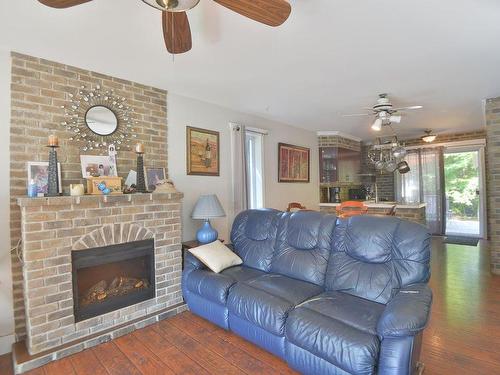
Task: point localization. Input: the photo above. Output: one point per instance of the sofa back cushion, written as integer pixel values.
(303, 246)
(254, 236)
(372, 257)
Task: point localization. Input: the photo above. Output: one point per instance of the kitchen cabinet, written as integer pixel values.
(328, 160)
(339, 165)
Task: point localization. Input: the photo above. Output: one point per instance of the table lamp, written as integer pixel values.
(207, 207)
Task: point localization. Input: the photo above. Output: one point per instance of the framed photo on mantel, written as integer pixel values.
(203, 152)
(293, 163)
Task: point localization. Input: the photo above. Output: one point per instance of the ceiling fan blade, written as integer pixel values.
(176, 32)
(357, 114)
(408, 108)
(62, 3)
(268, 12)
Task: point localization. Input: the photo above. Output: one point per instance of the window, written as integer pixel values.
(254, 146)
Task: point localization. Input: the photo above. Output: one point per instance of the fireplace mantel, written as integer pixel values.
(53, 228)
(87, 199)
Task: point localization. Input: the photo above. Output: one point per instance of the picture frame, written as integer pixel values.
(294, 163)
(153, 177)
(98, 166)
(39, 171)
(202, 152)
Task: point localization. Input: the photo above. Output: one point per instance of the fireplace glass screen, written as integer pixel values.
(112, 277)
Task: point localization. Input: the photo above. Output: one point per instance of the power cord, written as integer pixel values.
(17, 249)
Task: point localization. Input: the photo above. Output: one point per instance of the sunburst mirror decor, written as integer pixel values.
(98, 118)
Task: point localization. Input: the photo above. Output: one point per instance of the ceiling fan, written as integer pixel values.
(176, 30)
(384, 112)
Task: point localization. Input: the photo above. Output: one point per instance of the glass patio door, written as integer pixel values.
(464, 192)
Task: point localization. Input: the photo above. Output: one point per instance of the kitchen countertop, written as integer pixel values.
(372, 204)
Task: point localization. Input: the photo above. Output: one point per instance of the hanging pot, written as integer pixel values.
(403, 167)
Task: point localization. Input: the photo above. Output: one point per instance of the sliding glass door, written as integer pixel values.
(463, 181)
(450, 180)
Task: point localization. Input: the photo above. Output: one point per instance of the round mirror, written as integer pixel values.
(101, 120)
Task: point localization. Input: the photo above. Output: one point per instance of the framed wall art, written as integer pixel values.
(39, 172)
(98, 166)
(203, 151)
(154, 176)
(293, 163)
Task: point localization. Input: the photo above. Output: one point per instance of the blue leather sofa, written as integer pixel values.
(328, 295)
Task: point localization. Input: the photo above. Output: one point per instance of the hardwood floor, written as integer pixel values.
(463, 336)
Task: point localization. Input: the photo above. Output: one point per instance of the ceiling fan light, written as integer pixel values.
(395, 118)
(429, 137)
(172, 5)
(377, 125)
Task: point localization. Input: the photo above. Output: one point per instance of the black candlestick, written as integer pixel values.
(141, 182)
(53, 180)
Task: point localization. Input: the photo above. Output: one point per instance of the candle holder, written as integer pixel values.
(141, 181)
(53, 181)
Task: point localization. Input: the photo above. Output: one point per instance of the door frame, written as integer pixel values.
(480, 148)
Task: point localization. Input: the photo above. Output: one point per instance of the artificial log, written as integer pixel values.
(119, 286)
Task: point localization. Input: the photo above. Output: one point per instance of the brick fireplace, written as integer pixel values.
(95, 268)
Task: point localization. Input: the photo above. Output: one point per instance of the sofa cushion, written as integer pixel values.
(266, 300)
(354, 311)
(215, 287)
(303, 245)
(373, 257)
(253, 236)
(216, 256)
(339, 328)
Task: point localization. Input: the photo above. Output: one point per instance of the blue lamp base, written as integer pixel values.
(206, 233)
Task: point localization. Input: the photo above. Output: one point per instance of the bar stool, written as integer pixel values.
(351, 208)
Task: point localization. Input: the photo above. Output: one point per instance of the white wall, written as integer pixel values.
(6, 306)
(184, 112)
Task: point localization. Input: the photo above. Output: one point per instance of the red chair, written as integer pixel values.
(351, 208)
(295, 206)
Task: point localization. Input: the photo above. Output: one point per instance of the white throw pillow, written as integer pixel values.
(216, 256)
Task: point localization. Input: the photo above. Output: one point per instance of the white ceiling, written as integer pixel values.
(331, 57)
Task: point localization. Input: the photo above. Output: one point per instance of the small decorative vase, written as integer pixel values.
(206, 233)
(76, 190)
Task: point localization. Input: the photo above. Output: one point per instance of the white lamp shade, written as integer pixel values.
(395, 118)
(206, 207)
(377, 125)
(429, 138)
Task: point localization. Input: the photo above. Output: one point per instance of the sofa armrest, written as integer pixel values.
(407, 313)
(192, 263)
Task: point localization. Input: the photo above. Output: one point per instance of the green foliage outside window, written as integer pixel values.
(462, 181)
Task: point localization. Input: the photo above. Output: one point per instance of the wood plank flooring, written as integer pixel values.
(463, 336)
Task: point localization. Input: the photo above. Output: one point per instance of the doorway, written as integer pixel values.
(450, 180)
(464, 191)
